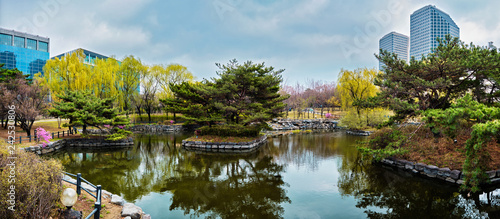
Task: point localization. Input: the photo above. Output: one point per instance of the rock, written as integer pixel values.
(146, 216)
(444, 172)
(491, 174)
(420, 166)
(460, 182)
(128, 217)
(116, 199)
(409, 166)
(495, 181)
(387, 161)
(455, 174)
(131, 210)
(431, 171)
(449, 179)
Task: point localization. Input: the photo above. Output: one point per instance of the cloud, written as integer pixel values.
(478, 33)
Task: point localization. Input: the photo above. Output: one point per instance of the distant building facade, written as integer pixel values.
(426, 24)
(396, 43)
(23, 51)
(90, 56)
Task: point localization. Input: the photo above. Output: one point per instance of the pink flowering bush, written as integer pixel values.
(171, 122)
(328, 115)
(42, 134)
(107, 126)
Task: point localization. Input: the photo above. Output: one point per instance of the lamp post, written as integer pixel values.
(68, 198)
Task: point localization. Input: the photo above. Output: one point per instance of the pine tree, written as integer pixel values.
(84, 109)
(245, 94)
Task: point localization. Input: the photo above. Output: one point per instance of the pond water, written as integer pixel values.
(318, 175)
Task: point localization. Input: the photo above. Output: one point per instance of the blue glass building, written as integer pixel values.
(23, 51)
(396, 43)
(426, 24)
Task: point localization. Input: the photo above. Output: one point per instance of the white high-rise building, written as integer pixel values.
(396, 43)
(426, 24)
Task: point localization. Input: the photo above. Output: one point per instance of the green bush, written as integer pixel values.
(384, 143)
(119, 134)
(37, 185)
(231, 130)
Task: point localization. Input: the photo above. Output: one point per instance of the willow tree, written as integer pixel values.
(355, 86)
(70, 72)
(67, 73)
(130, 72)
(106, 82)
(174, 74)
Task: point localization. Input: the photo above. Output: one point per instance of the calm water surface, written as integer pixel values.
(317, 175)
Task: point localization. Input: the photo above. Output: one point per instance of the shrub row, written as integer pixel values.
(230, 130)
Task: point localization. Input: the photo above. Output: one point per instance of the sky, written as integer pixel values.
(310, 39)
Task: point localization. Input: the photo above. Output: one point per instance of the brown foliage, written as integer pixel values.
(37, 185)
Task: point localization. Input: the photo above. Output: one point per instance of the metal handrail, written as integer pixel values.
(97, 205)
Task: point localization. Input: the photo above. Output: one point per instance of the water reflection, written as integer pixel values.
(317, 175)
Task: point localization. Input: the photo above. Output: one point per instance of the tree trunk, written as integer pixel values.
(84, 129)
(139, 112)
(59, 121)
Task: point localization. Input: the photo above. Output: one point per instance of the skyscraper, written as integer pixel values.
(396, 43)
(426, 24)
(23, 51)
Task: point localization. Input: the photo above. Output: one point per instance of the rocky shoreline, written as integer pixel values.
(294, 124)
(455, 177)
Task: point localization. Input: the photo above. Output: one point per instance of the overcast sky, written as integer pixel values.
(310, 39)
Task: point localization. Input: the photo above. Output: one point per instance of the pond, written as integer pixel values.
(318, 175)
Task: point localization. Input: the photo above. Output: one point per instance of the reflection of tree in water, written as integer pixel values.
(230, 187)
(227, 186)
(404, 196)
(92, 165)
(309, 149)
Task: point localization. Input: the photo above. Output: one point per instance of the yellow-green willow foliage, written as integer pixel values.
(356, 85)
(175, 74)
(104, 77)
(359, 85)
(67, 72)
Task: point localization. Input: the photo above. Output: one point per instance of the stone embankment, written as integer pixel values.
(293, 124)
(225, 147)
(81, 143)
(153, 129)
(430, 171)
(129, 210)
(156, 128)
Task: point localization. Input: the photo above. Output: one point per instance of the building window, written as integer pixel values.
(5, 39)
(43, 46)
(19, 42)
(31, 44)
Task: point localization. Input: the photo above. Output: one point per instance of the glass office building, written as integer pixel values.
(426, 24)
(23, 51)
(396, 43)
